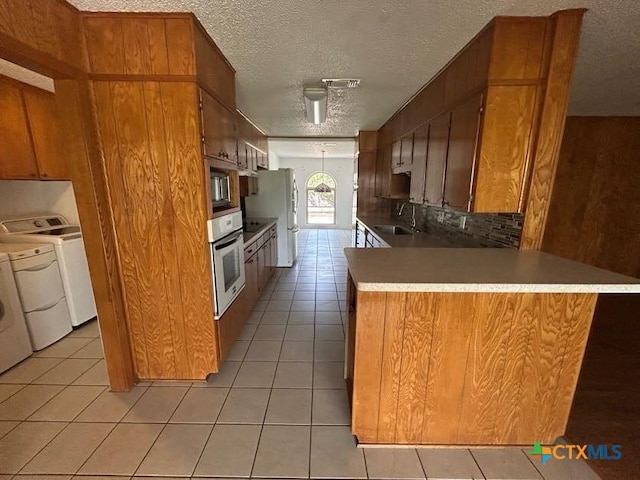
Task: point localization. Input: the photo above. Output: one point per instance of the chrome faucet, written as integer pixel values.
(413, 214)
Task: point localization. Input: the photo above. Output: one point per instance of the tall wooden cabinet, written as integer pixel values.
(164, 100)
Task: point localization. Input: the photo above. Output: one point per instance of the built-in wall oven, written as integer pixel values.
(227, 258)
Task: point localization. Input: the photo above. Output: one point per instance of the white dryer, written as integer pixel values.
(15, 345)
(67, 240)
(37, 278)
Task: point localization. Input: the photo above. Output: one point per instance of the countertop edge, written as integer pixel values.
(496, 287)
(373, 232)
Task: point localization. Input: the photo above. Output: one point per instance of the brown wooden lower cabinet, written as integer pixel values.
(464, 368)
(258, 270)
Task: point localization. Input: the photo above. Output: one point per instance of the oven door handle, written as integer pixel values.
(227, 244)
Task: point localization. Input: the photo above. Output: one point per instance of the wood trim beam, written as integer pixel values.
(94, 209)
(566, 27)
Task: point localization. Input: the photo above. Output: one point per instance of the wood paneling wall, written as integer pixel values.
(150, 139)
(121, 44)
(157, 46)
(466, 368)
(594, 215)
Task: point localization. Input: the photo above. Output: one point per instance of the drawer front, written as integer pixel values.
(48, 326)
(40, 286)
(250, 250)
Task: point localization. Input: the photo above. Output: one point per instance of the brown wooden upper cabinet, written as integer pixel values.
(463, 141)
(243, 157)
(437, 159)
(406, 154)
(17, 158)
(254, 142)
(387, 184)
(218, 130)
(481, 114)
(31, 140)
(383, 171)
(396, 156)
(420, 150)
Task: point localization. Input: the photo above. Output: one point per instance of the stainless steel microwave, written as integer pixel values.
(219, 189)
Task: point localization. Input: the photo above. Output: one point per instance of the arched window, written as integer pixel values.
(321, 206)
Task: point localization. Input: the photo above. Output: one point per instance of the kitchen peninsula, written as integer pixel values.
(471, 346)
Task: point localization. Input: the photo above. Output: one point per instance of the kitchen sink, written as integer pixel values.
(393, 229)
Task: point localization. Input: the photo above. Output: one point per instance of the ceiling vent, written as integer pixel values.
(336, 83)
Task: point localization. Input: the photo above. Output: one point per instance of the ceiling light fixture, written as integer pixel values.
(315, 102)
(322, 187)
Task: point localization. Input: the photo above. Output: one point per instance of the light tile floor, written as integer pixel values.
(277, 409)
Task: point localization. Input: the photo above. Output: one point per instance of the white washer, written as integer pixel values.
(39, 285)
(15, 345)
(67, 240)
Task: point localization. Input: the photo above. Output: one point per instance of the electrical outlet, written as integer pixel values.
(440, 217)
(462, 222)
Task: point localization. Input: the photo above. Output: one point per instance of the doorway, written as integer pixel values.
(321, 205)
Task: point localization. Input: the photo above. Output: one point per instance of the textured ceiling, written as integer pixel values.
(304, 148)
(395, 46)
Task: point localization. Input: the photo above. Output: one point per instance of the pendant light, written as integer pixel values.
(322, 187)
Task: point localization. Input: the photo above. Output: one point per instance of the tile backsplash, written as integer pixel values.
(492, 229)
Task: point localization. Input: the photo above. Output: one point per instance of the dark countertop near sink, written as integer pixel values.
(419, 239)
(265, 224)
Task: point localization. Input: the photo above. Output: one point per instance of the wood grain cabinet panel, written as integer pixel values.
(17, 156)
(504, 151)
(140, 44)
(518, 48)
(464, 368)
(419, 167)
(105, 44)
(213, 70)
(387, 184)
(461, 154)
(49, 140)
(50, 29)
(218, 130)
(396, 155)
(436, 160)
(405, 155)
(33, 143)
(150, 136)
(243, 158)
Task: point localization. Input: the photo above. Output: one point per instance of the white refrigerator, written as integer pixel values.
(277, 197)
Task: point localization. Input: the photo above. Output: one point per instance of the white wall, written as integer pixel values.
(341, 169)
(274, 160)
(21, 198)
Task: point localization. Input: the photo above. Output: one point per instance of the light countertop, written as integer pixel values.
(265, 224)
(478, 270)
